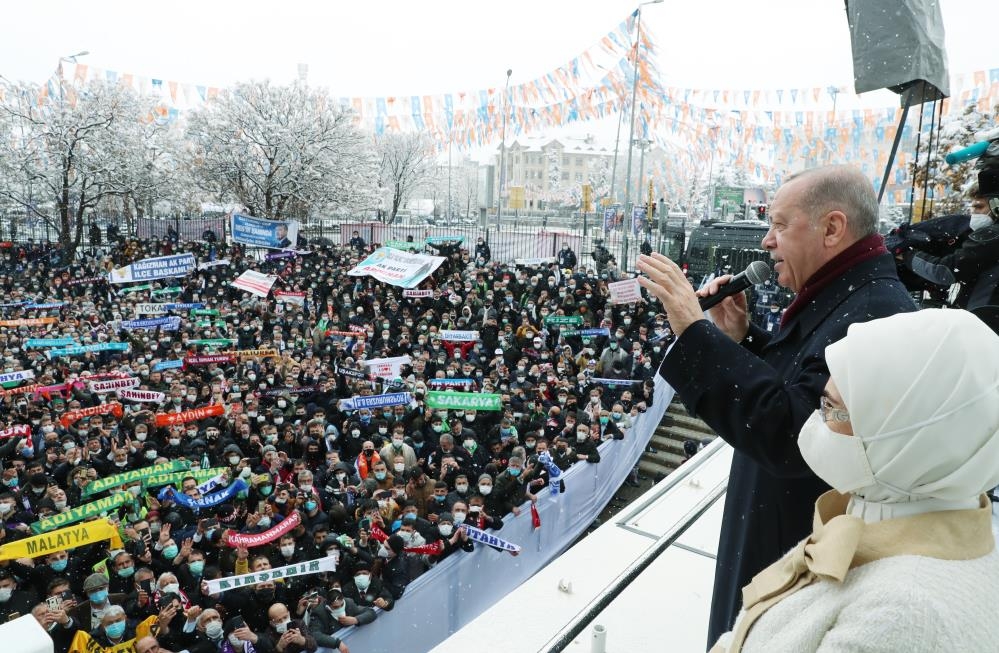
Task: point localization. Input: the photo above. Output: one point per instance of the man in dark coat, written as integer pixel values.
(757, 389)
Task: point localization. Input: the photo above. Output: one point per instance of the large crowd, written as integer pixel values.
(145, 465)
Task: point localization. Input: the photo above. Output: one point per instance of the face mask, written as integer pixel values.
(214, 630)
(5, 593)
(381, 475)
(399, 467)
(383, 552)
(461, 488)
(235, 641)
(126, 572)
(514, 471)
(471, 418)
(6, 507)
(446, 529)
(265, 522)
(980, 221)
(288, 550)
(485, 489)
(98, 597)
(470, 445)
(170, 552)
(174, 442)
(197, 567)
(362, 581)
(839, 460)
(60, 505)
(439, 498)
(150, 454)
(115, 630)
(233, 460)
(339, 612)
(283, 626)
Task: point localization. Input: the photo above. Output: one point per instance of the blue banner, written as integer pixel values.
(273, 234)
(210, 501)
(376, 401)
(167, 365)
(593, 333)
(165, 323)
(87, 349)
(161, 267)
(445, 239)
(616, 381)
(41, 343)
(184, 307)
(43, 307)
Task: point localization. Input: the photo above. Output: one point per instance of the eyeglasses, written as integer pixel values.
(830, 413)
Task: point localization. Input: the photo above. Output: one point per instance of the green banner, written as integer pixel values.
(212, 342)
(145, 286)
(464, 400)
(206, 311)
(564, 319)
(176, 290)
(80, 513)
(173, 478)
(403, 245)
(102, 484)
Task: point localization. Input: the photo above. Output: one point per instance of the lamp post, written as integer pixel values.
(502, 170)
(631, 135)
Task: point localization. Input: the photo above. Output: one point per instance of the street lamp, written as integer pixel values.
(631, 135)
(502, 176)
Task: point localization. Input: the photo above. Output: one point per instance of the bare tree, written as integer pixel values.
(280, 150)
(61, 157)
(407, 161)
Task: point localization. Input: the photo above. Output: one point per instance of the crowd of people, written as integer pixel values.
(216, 444)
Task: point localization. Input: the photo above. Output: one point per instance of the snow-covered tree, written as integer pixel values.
(279, 150)
(598, 173)
(553, 158)
(407, 161)
(948, 183)
(61, 157)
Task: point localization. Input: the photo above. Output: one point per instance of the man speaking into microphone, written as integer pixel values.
(756, 389)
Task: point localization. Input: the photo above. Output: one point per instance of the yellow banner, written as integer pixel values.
(61, 540)
(84, 643)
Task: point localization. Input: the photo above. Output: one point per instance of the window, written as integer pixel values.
(565, 176)
(579, 176)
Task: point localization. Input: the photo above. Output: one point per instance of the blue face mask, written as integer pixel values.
(59, 565)
(197, 567)
(170, 552)
(11, 482)
(115, 630)
(98, 597)
(126, 572)
(514, 471)
(310, 505)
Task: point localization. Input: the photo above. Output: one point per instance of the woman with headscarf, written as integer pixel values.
(902, 556)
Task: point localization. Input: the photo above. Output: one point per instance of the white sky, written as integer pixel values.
(402, 47)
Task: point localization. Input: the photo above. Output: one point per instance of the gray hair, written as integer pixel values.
(113, 611)
(840, 188)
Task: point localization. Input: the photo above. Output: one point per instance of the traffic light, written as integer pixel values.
(587, 198)
(761, 211)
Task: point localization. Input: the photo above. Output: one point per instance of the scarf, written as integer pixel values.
(841, 542)
(864, 249)
(362, 464)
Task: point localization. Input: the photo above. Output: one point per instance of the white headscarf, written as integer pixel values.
(922, 390)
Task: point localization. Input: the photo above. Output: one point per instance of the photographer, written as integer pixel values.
(973, 262)
(324, 617)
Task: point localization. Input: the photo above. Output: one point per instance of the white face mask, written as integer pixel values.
(839, 460)
(484, 490)
(980, 221)
(171, 588)
(399, 467)
(446, 529)
(214, 630)
(288, 550)
(283, 626)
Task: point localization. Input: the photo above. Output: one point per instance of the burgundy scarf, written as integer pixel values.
(862, 250)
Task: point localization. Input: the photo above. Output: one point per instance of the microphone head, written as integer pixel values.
(757, 272)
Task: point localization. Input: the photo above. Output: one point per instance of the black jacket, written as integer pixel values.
(756, 396)
(974, 264)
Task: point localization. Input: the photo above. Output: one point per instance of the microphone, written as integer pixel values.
(756, 272)
(973, 151)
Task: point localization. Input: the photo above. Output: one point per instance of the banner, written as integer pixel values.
(144, 396)
(147, 308)
(444, 239)
(210, 501)
(212, 264)
(165, 323)
(185, 306)
(255, 283)
(161, 267)
(297, 390)
(387, 368)
(376, 401)
(273, 256)
(534, 262)
(489, 539)
(301, 569)
(174, 290)
(625, 292)
(209, 359)
(211, 342)
(209, 312)
(458, 336)
(352, 373)
(64, 389)
(397, 268)
(132, 289)
(555, 483)
(403, 245)
(17, 377)
(79, 513)
(167, 365)
(88, 280)
(87, 349)
(269, 352)
(452, 382)
(250, 540)
(289, 297)
(18, 431)
(43, 307)
(193, 415)
(24, 389)
(616, 381)
(273, 234)
(564, 319)
(42, 343)
(99, 387)
(173, 478)
(101, 484)
(29, 321)
(61, 540)
(464, 400)
(417, 293)
(113, 408)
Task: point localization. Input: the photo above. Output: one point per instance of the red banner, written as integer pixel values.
(193, 415)
(114, 408)
(17, 431)
(19, 391)
(236, 540)
(62, 388)
(29, 321)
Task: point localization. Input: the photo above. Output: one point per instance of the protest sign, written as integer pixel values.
(397, 268)
(387, 368)
(458, 336)
(255, 283)
(290, 297)
(463, 400)
(161, 267)
(273, 234)
(625, 292)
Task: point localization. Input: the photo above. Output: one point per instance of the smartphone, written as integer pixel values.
(364, 524)
(147, 586)
(211, 523)
(54, 602)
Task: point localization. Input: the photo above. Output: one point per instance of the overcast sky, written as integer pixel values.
(401, 47)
